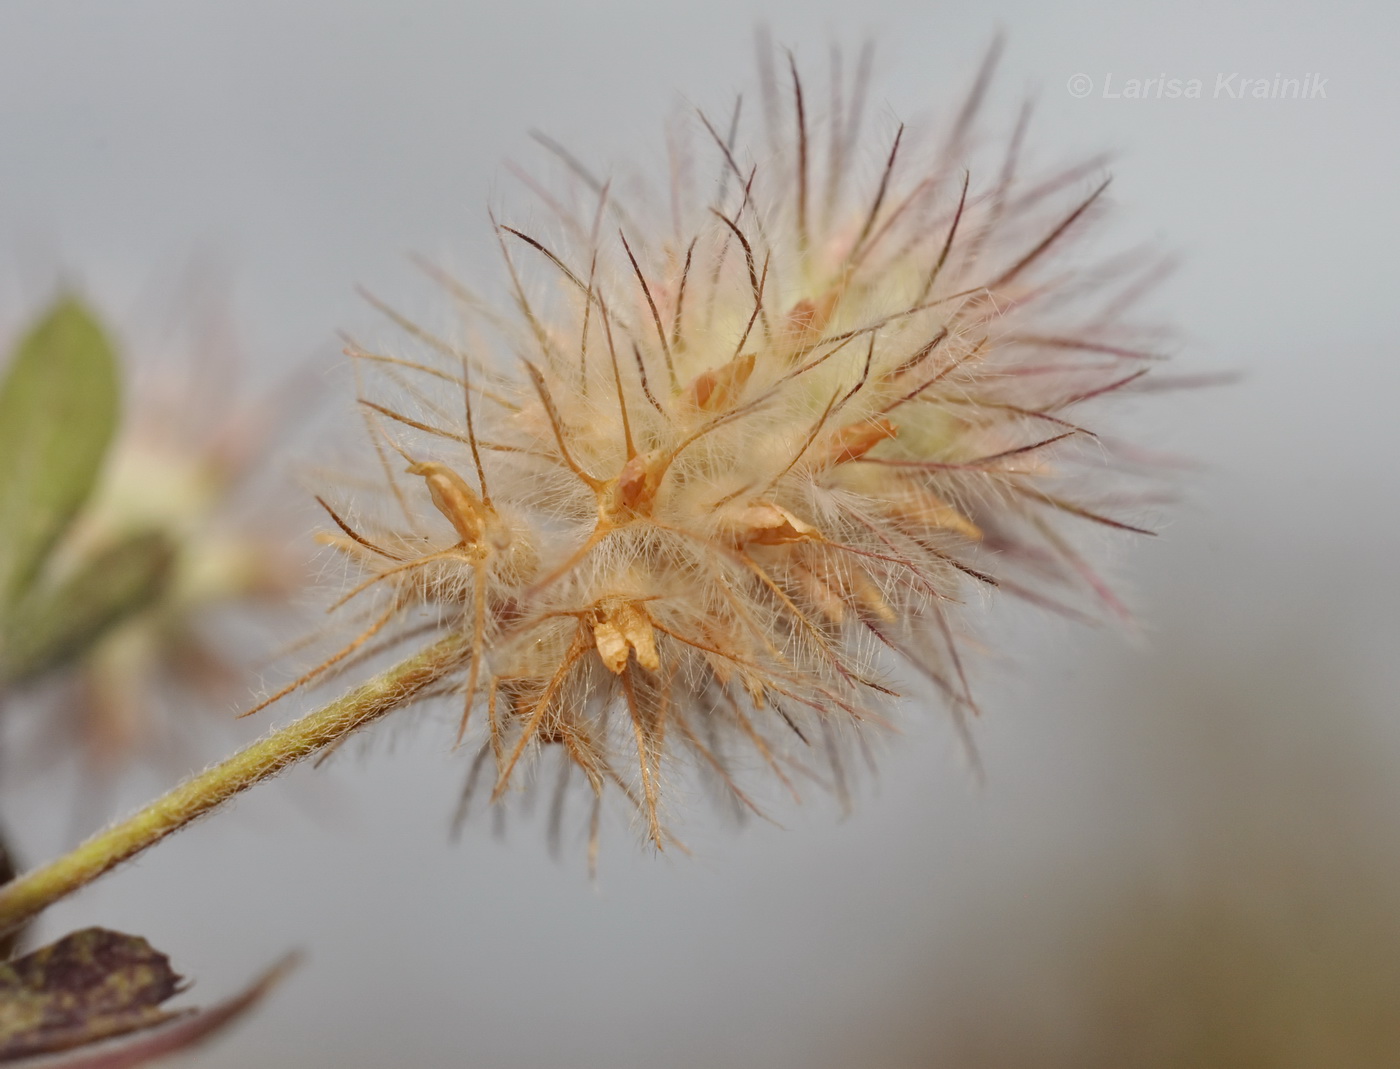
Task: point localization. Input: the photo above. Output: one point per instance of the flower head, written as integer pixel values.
(177, 477)
(717, 488)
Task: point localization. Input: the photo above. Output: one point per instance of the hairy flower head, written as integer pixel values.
(712, 489)
(177, 477)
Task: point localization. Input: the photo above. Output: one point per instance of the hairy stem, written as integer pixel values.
(27, 895)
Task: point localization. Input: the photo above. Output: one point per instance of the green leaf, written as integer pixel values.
(8, 871)
(59, 405)
(51, 628)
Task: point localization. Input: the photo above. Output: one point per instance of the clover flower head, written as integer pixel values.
(709, 494)
(176, 484)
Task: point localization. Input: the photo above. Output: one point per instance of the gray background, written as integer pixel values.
(307, 146)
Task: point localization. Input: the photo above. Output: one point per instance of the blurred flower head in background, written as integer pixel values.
(177, 537)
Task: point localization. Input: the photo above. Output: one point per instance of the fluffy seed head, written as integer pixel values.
(718, 487)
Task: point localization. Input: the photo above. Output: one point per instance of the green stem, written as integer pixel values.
(27, 895)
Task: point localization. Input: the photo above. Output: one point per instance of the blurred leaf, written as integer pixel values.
(88, 986)
(58, 410)
(97, 984)
(189, 1029)
(8, 871)
(46, 630)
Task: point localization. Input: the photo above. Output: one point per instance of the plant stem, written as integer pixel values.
(27, 895)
